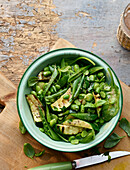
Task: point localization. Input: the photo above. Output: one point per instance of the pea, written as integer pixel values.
(52, 90)
(44, 86)
(71, 138)
(52, 100)
(101, 121)
(66, 96)
(46, 69)
(38, 89)
(46, 73)
(76, 67)
(77, 102)
(107, 88)
(75, 107)
(53, 122)
(91, 78)
(81, 96)
(97, 90)
(40, 84)
(103, 94)
(82, 109)
(83, 101)
(49, 93)
(34, 93)
(74, 142)
(57, 86)
(96, 85)
(89, 97)
(42, 130)
(100, 74)
(78, 136)
(97, 121)
(112, 100)
(40, 92)
(84, 133)
(102, 85)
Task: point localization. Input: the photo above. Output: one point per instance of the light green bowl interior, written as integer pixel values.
(24, 111)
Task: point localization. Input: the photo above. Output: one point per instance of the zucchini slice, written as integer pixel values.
(69, 130)
(34, 102)
(78, 123)
(61, 102)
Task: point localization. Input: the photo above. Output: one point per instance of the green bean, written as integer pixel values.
(75, 86)
(85, 116)
(89, 97)
(56, 94)
(53, 77)
(95, 69)
(79, 87)
(78, 73)
(48, 114)
(51, 133)
(53, 122)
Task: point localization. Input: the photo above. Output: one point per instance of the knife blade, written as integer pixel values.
(79, 163)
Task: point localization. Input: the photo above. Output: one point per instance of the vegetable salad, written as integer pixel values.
(71, 100)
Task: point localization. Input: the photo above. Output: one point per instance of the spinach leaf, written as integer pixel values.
(40, 153)
(112, 140)
(125, 125)
(32, 81)
(29, 150)
(22, 128)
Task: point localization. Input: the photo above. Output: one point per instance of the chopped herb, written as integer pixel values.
(22, 128)
(125, 125)
(107, 154)
(40, 153)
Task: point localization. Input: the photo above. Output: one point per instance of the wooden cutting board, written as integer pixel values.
(11, 140)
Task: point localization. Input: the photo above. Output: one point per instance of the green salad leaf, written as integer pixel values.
(112, 140)
(29, 150)
(125, 125)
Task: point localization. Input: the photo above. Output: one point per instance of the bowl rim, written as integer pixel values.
(65, 49)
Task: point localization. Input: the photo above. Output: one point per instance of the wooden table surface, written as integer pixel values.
(29, 28)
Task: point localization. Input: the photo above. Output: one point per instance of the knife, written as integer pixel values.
(79, 163)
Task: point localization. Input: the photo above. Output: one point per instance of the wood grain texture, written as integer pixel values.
(29, 28)
(11, 147)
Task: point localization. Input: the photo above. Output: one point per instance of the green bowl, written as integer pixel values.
(24, 111)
